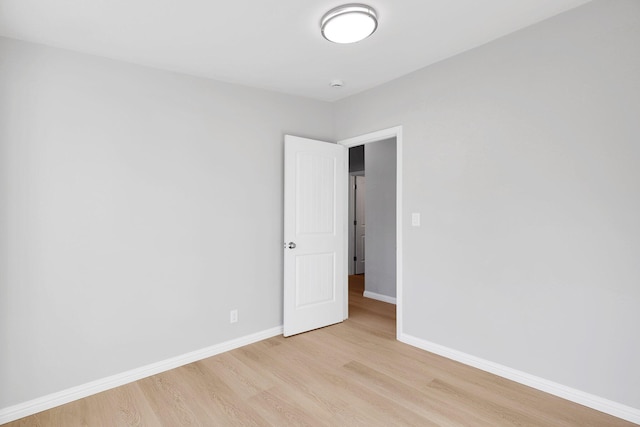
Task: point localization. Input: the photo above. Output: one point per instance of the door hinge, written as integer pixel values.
(355, 222)
(355, 258)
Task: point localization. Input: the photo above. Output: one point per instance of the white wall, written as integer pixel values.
(522, 156)
(380, 211)
(128, 224)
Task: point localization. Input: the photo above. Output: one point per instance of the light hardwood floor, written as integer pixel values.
(351, 374)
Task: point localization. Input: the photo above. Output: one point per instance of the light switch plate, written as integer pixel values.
(415, 219)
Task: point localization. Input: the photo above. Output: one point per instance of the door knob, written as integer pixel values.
(291, 245)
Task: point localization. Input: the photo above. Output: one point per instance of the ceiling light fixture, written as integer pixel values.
(349, 23)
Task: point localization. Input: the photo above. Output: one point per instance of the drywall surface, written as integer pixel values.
(522, 156)
(137, 208)
(380, 211)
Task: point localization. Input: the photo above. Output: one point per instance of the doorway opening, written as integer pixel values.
(357, 205)
(374, 243)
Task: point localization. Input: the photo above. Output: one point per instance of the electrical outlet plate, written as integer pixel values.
(233, 316)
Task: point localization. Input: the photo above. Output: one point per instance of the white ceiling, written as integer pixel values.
(271, 44)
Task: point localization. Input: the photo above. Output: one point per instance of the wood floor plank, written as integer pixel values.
(285, 412)
(243, 381)
(380, 406)
(121, 406)
(412, 399)
(170, 402)
(216, 397)
(350, 374)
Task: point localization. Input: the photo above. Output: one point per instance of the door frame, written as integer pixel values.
(366, 139)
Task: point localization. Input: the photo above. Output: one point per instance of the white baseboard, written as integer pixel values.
(379, 297)
(595, 402)
(43, 403)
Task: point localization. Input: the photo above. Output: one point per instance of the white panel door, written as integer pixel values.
(315, 212)
(360, 223)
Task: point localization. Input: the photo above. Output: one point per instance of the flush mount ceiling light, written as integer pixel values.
(349, 23)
